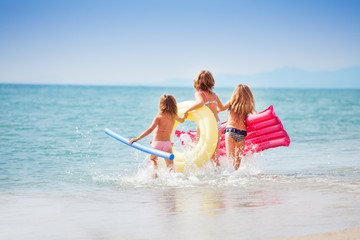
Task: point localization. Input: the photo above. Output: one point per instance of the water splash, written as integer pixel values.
(206, 176)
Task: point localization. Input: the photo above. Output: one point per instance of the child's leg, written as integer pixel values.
(197, 135)
(215, 157)
(230, 147)
(238, 154)
(169, 163)
(153, 160)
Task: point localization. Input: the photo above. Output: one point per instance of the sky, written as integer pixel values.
(148, 42)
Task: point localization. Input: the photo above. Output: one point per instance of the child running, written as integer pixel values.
(164, 124)
(240, 105)
(203, 84)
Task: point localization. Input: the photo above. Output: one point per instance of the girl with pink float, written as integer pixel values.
(240, 105)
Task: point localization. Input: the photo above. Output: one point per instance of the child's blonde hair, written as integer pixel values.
(168, 104)
(204, 81)
(242, 102)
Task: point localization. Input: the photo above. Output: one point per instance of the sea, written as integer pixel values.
(62, 177)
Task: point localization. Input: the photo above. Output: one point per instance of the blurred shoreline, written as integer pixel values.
(348, 234)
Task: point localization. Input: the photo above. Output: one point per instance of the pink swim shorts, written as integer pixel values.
(161, 145)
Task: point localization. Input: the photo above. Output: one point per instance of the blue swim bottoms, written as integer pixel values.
(236, 134)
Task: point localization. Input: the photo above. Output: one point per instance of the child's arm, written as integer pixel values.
(227, 105)
(253, 111)
(199, 102)
(222, 107)
(146, 132)
(181, 119)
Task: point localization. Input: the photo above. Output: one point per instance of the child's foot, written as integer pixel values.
(155, 175)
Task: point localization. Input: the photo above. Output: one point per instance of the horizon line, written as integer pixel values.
(164, 86)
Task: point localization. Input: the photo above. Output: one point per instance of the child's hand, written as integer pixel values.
(185, 115)
(131, 140)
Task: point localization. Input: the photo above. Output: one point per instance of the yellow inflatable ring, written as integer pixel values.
(206, 145)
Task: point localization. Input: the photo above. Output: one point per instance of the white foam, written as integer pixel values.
(208, 175)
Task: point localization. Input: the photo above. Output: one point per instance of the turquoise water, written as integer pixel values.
(62, 177)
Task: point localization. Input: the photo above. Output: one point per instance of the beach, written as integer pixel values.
(346, 234)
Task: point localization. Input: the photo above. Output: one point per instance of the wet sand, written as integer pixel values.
(347, 234)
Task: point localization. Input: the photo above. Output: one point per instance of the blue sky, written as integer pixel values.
(147, 42)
